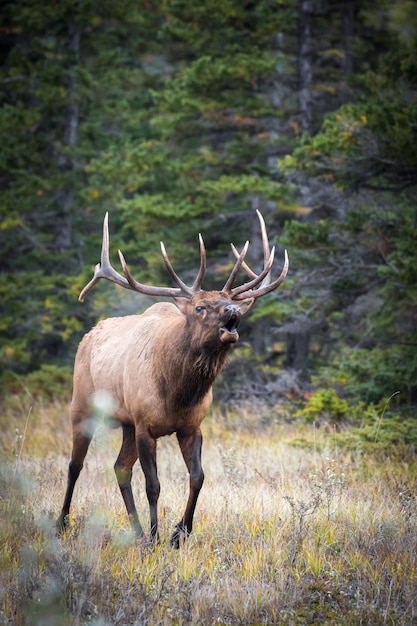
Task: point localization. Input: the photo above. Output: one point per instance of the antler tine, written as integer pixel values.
(104, 269)
(183, 287)
(245, 266)
(265, 241)
(265, 245)
(228, 286)
(264, 278)
(262, 291)
(200, 276)
(170, 292)
(258, 279)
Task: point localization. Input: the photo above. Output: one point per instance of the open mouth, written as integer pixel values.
(228, 332)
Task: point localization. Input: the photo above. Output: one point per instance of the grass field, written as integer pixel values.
(289, 529)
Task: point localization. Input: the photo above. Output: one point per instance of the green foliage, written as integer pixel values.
(209, 84)
(370, 141)
(204, 152)
(304, 235)
(55, 115)
(172, 116)
(391, 432)
(49, 383)
(325, 404)
(370, 373)
(272, 308)
(365, 262)
(36, 325)
(384, 318)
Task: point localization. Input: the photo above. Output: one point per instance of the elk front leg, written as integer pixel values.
(191, 451)
(146, 447)
(81, 441)
(123, 468)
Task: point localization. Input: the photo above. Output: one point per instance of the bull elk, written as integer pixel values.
(159, 368)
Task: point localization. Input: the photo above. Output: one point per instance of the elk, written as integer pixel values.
(159, 368)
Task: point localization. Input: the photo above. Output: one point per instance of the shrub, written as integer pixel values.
(49, 382)
(324, 404)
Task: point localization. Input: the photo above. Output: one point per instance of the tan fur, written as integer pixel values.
(126, 356)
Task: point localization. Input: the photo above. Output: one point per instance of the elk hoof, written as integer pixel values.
(62, 525)
(179, 535)
(154, 540)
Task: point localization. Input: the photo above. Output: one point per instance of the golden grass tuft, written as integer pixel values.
(283, 534)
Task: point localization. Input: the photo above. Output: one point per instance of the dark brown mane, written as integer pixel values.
(200, 377)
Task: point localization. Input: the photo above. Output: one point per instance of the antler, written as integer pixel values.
(104, 269)
(259, 285)
(264, 278)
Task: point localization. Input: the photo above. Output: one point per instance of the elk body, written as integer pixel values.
(159, 368)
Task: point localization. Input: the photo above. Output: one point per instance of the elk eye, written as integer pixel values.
(200, 308)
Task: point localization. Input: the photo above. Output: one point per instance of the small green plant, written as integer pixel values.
(393, 432)
(324, 404)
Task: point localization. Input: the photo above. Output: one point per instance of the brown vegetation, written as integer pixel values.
(284, 534)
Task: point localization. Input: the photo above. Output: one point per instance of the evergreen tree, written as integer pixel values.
(178, 117)
(215, 128)
(364, 158)
(72, 76)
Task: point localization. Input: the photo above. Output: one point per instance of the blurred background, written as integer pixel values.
(183, 117)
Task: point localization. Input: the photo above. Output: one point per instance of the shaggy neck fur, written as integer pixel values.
(199, 373)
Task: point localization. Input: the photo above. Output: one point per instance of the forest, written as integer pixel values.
(178, 118)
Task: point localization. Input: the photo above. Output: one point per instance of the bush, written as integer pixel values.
(325, 404)
(383, 433)
(49, 382)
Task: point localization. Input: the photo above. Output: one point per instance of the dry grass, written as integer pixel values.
(283, 535)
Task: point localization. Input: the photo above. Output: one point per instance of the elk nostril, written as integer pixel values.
(232, 308)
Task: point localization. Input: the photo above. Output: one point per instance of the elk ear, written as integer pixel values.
(246, 305)
(183, 304)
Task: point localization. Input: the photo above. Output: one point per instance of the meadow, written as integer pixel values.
(290, 528)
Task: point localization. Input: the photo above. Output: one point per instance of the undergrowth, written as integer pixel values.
(283, 534)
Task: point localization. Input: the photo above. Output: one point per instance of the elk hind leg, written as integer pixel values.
(123, 468)
(191, 450)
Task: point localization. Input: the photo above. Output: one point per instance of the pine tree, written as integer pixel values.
(72, 77)
(364, 158)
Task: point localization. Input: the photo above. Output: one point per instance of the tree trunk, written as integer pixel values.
(66, 196)
(298, 334)
(305, 66)
(347, 11)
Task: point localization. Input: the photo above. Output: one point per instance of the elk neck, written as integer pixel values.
(193, 369)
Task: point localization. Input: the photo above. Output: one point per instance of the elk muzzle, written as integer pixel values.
(230, 319)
